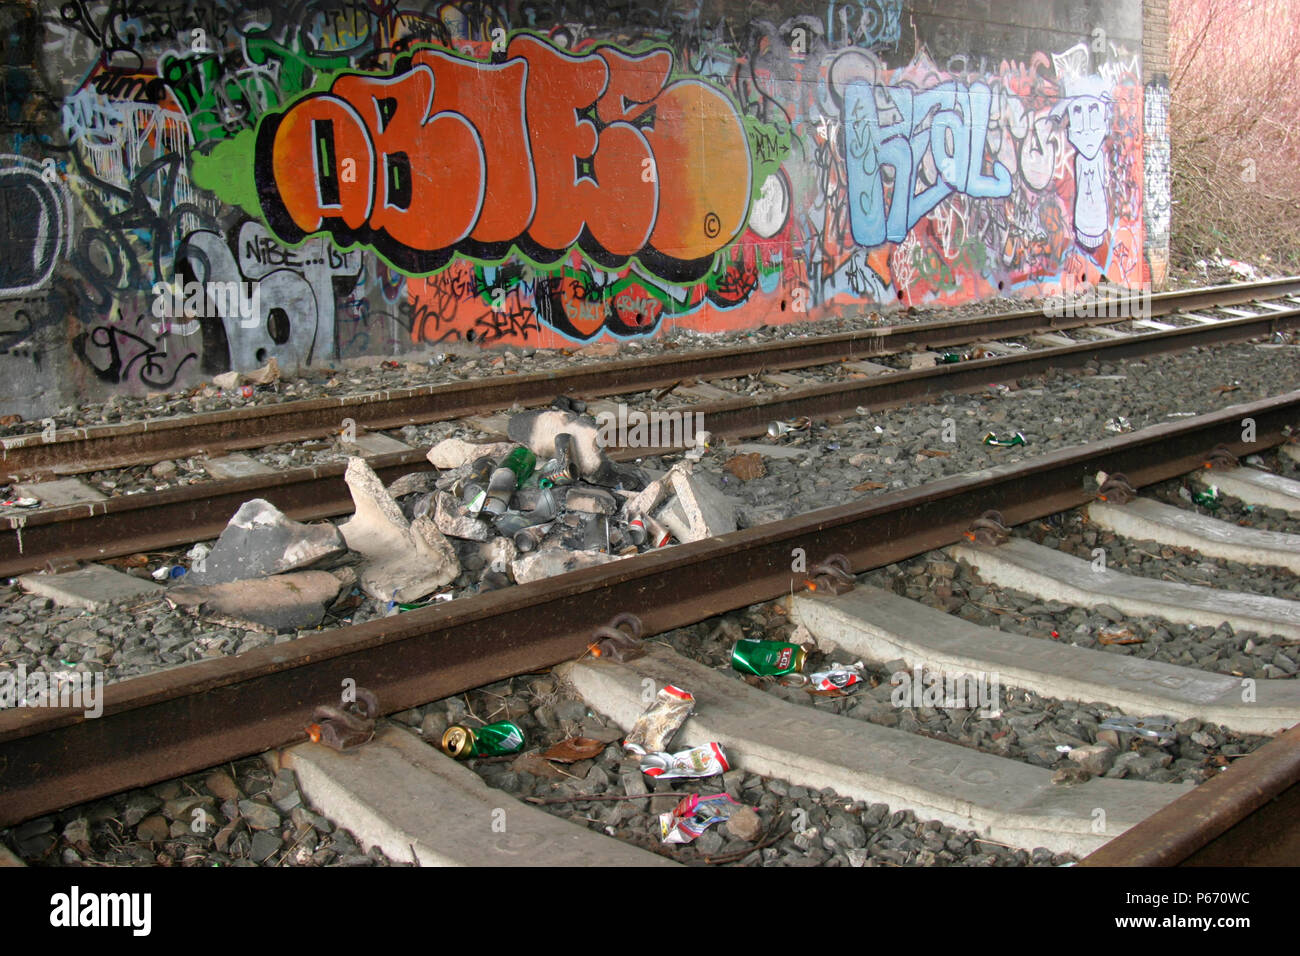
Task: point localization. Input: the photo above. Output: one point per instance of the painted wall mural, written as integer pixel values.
(390, 176)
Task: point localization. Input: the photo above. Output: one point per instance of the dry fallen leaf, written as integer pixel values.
(746, 467)
(868, 486)
(574, 749)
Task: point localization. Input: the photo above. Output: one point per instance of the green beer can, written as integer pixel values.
(767, 658)
(493, 740)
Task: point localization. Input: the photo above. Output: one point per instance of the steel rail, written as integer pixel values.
(99, 447)
(126, 524)
(178, 721)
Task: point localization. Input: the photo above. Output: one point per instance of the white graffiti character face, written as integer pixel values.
(1089, 118)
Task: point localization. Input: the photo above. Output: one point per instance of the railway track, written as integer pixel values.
(97, 527)
(71, 451)
(184, 720)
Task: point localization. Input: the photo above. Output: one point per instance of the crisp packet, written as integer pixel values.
(703, 761)
(694, 815)
(655, 728)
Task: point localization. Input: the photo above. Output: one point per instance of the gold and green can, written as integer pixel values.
(767, 658)
(492, 740)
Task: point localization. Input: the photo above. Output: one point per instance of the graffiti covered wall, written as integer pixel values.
(193, 187)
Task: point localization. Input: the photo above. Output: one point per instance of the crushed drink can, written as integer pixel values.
(707, 761)
(991, 439)
(654, 729)
(767, 658)
(777, 429)
(694, 815)
(837, 678)
(492, 740)
(636, 531)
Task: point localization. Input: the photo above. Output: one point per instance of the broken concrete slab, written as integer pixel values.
(454, 452)
(416, 483)
(93, 587)
(375, 443)
(55, 494)
(260, 541)
(235, 466)
(650, 497)
(405, 561)
(548, 563)
(286, 602)
(698, 511)
(869, 368)
(454, 521)
(589, 500)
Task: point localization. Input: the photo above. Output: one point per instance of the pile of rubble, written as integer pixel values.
(488, 516)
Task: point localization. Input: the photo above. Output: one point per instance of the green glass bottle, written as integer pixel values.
(522, 462)
(492, 740)
(767, 658)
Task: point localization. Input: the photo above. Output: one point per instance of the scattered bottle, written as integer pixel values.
(993, 440)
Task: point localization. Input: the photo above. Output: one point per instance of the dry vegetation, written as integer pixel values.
(1234, 101)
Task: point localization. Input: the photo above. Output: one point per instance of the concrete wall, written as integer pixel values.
(191, 187)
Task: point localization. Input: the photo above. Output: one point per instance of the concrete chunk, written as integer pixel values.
(1002, 799)
(285, 602)
(405, 561)
(420, 806)
(93, 587)
(552, 561)
(260, 541)
(454, 452)
(881, 626)
(375, 443)
(454, 521)
(698, 512)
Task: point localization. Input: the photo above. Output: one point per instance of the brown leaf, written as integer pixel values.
(1120, 635)
(934, 453)
(746, 467)
(1225, 389)
(10, 419)
(574, 749)
(868, 486)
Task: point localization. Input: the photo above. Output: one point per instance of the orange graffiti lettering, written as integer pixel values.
(545, 151)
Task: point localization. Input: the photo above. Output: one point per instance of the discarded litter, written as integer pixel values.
(991, 439)
(1119, 424)
(952, 358)
(20, 503)
(777, 429)
(1154, 728)
(767, 658)
(654, 729)
(492, 740)
(694, 815)
(836, 679)
(706, 761)
(1208, 498)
